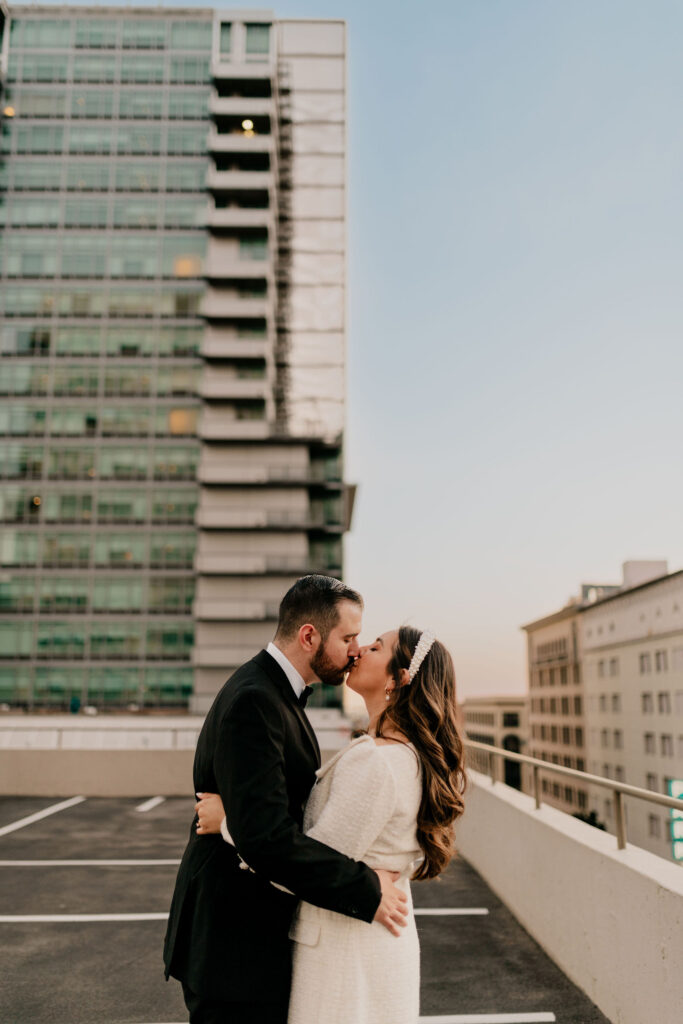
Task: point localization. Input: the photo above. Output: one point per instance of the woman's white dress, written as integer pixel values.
(364, 804)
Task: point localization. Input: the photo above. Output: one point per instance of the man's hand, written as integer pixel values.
(210, 813)
(393, 910)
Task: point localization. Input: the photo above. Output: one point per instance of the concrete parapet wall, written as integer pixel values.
(96, 772)
(611, 919)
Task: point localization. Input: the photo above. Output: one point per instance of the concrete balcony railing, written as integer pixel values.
(228, 181)
(217, 385)
(219, 268)
(608, 917)
(215, 306)
(255, 518)
(238, 473)
(221, 657)
(239, 217)
(214, 346)
(217, 427)
(238, 142)
(260, 68)
(242, 106)
(207, 610)
(248, 564)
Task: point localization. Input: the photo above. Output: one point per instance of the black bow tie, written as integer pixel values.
(304, 695)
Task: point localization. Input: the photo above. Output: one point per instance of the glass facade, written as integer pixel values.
(103, 174)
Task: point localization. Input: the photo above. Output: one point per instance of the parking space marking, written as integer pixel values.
(23, 822)
(491, 1018)
(449, 911)
(89, 863)
(76, 918)
(150, 804)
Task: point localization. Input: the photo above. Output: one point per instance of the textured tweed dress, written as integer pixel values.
(364, 804)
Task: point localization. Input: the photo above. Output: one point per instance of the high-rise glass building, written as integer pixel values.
(172, 322)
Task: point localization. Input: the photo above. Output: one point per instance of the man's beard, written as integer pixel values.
(326, 670)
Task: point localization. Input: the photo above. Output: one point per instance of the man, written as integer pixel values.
(227, 938)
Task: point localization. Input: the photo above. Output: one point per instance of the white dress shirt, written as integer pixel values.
(295, 678)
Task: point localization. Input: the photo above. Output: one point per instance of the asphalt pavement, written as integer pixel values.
(80, 942)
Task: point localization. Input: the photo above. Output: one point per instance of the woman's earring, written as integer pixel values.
(387, 694)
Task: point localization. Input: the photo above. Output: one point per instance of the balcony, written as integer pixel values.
(211, 472)
(215, 384)
(218, 306)
(220, 267)
(231, 611)
(215, 345)
(267, 519)
(229, 181)
(262, 68)
(238, 142)
(239, 217)
(250, 564)
(242, 106)
(215, 426)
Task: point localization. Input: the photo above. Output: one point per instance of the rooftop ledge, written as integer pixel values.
(610, 919)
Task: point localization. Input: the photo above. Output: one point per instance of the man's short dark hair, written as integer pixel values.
(313, 599)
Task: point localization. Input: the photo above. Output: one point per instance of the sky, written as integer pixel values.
(515, 366)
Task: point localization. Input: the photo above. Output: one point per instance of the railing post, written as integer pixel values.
(492, 767)
(537, 787)
(620, 819)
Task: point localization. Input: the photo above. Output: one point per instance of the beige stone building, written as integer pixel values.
(557, 723)
(500, 722)
(633, 670)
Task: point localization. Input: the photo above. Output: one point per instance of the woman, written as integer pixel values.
(389, 798)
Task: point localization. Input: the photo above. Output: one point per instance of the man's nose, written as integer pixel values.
(354, 649)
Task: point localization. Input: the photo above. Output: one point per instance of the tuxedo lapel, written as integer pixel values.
(277, 675)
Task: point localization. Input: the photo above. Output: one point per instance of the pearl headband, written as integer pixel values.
(423, 648)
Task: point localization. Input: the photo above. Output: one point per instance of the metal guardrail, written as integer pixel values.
(620, 789)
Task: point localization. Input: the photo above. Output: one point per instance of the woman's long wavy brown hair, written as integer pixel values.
(424, 711)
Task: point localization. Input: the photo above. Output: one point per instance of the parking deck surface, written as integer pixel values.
(478, 964)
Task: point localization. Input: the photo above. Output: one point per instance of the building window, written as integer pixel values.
(563, 675)
(616, 702)
(579, 737)
(566, 735)
(556, 789)
(577, 706)
(661, 661)
(603, 702)
(226, 38)
(614, 667)
(604, 738)
(645, 663)
(652, 782)
(618, 738)
(581, 796)
(511, 719)
(568, 795)
(664, 703)
(580, 764)
(565, 705)
(649, 739)
(608, 807)
(667, 745)
(606, 771)
(654, 826)
(553, 734)
(258, 40)
(647, 703)
(601, 669)
(619, 773)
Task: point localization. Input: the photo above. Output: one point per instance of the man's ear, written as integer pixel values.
(309, 638)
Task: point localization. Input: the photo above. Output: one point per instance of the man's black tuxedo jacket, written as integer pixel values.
(228, 927)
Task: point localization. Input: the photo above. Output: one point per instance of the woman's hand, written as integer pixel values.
(210, 812)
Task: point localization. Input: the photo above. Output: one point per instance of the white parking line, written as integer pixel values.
(491, 1018)
(449, 911)
(76, 918)
(23, 822)
(150, 804)
(88, 863)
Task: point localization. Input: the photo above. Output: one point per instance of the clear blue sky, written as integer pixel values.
(516, 310)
